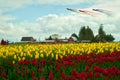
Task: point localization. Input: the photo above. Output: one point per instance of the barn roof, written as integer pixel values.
(26, 38)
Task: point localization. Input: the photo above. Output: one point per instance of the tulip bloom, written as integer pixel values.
(3, 74)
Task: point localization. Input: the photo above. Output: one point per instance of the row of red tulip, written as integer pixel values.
(81, 67)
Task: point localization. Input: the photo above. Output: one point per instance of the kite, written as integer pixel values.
(82, 11)
(103, 11)
(88, 12)
(74, 10)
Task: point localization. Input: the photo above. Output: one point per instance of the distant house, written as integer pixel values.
(28, 39)
(70, 40)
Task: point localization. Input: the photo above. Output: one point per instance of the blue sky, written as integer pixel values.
(41, 18)
(31, 12)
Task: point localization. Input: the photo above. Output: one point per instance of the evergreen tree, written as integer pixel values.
(86, 34)
(109, 38)
(101, 37)
(82, 33)
(49, 38)
(74, 35)
(89, 34)
(100, 31)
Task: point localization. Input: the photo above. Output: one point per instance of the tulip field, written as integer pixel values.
(74, 61)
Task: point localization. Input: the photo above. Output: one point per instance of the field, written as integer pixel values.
(81, 61)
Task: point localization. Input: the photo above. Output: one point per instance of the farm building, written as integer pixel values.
(28, 39)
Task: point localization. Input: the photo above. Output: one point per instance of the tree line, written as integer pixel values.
(86, 33)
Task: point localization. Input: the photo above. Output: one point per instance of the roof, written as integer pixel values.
(27, 39)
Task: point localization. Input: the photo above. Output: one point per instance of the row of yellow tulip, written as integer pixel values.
(36, 51)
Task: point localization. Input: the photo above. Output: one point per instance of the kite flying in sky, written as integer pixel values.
(82, 11)
(92, 13)
(103, 11)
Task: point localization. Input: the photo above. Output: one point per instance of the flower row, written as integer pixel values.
(105, 66)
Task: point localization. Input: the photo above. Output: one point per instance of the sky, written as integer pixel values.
(42, 18)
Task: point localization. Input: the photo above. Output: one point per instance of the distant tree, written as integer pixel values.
(100, 31)
(86, 34)
(89, 34)
(49, 38)
(75, 35)
(101, 37)
(109, 38)
(82, 33)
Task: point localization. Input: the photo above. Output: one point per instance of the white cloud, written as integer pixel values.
(67, 24)
(64, 25)
(4, 18)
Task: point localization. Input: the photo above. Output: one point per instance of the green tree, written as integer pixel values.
(89, 34)
(49, 38)
(101, 37)
(82, 33)
(109, 38)
(100, 31)
(75, 35)
(86, 34)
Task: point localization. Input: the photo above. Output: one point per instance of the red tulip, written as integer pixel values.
(34, 62)
(118, 72)
(74, 72)
(3, 74)
(60, 78)
(34, 78)
(50, 61)
(27, 71)
(33, 74)
(104, 79)
(86, 68)
(18, 71)
(97, 75)
(64, 76)
(8, 62)
(42, 78)
(50, 76)
(72, 77)
(20, 62)
(43, 62)
(22, 74)
(105, 72)
(26, 62)
(90, 73)
(40, 70)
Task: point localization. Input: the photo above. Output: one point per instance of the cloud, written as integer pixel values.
(67, 24)
(63, 25)
(110, 5)
(7, 5)
(4, 18)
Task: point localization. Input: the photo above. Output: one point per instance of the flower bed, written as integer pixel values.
(71, 65)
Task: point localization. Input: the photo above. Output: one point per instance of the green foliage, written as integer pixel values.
(75, 35)
(50, 38)
(86, 34)
(100, 31)
(102, 37)
(82, 33)
(109, 38)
